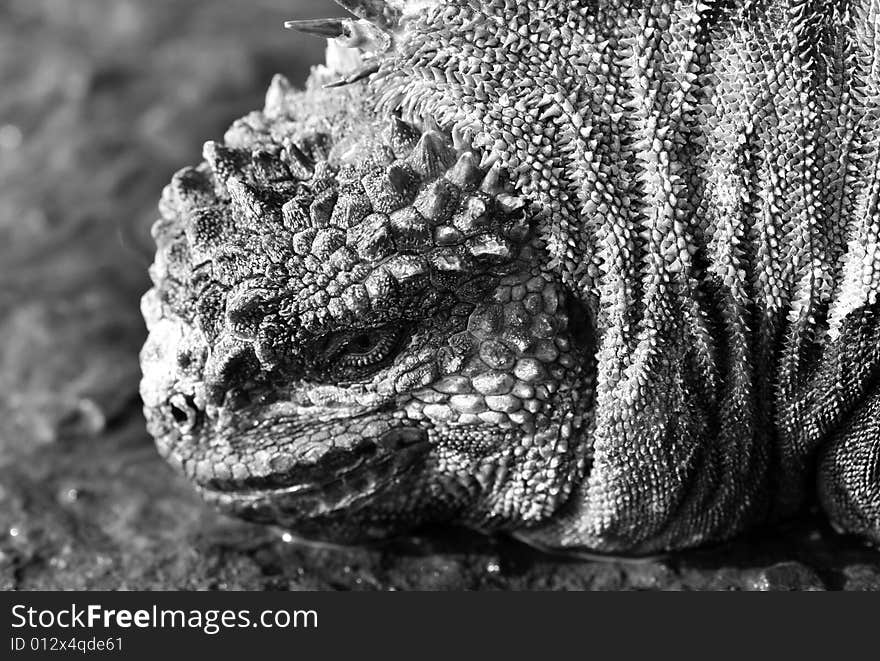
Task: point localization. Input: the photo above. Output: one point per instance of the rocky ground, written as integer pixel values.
(102, 101)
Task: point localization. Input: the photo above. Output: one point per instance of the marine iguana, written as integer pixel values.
(600, 273)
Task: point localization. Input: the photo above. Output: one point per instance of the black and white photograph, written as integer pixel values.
(438, 295)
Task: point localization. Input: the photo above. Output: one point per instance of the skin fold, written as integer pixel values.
(600, 274)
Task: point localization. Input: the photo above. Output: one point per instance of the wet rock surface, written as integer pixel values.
(103, 100)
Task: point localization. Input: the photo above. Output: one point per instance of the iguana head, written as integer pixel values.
(353, 331)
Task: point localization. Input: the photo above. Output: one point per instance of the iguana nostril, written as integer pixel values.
(179, 415)
(184, 411)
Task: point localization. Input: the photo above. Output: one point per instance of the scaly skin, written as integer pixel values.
(603, 274)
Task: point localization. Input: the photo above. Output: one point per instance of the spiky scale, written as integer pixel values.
(372, 237)
(322, 27)
(191, 189)
(466, 172)
(368, 69)
(401, 137)
(207, 229)
(224, 162)
(321, 209)
(326, 241)
(432, 155)
(300, 165)
(411, 232)
(350, 208)
(380, 13)
(437, 201)
(391, 188)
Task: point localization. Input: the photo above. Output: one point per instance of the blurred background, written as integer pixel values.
(102, 100)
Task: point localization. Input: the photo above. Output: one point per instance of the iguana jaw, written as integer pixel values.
(396, 446)
(327, 499)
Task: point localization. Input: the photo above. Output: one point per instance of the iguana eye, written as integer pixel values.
(361, 350)
(364, 343)
(368, 347)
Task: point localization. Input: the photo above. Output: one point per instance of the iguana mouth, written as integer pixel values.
(331, 487)
(349, 468)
